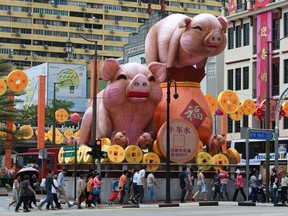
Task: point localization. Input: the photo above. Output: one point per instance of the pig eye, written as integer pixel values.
(197, 27)
(152, 78)
(121, 76)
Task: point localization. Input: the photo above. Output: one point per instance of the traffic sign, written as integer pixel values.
(263, 135)
(69, 148)
(68, 154)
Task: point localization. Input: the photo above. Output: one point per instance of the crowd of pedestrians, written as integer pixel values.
(133, 185)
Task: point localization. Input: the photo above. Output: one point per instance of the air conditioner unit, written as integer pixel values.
(58, 17)
(45, 46)
(10, 55)
(35, 56)
(18, 33)
(106, 10)
(82, 28)
(116, 22)
(65, 59)
(83, 7)
(87, 49)
(46, 26)
(69, 59)
(139, 2)
(112, 31)
(9, 12)
(23, 45)
(185, 9)
(20, 67)
(29, 13)
(86, 18)
(90, 30)
(121, 1)
(42, 14)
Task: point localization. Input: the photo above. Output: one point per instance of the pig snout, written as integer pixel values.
(139, 87)
(214, 39)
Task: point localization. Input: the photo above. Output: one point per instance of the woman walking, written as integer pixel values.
(15, 191)
(96, 189)
(200, 185)
(239, 186)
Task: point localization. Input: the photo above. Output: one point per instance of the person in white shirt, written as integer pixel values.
(284, 187)
(54, 194)
(134, 185)
(141, 185)
(151, 182)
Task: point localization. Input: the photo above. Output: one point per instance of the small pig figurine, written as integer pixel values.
(215, 143)
(120, 138)
(145, 140)
(127, 103)
(181, 41)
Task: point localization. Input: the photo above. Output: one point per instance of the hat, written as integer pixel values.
(238, 171)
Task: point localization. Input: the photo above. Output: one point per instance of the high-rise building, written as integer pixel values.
(36, 31)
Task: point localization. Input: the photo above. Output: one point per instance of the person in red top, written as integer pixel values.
(223, 175)
(90, 179)
(239, 186)
(121, 185)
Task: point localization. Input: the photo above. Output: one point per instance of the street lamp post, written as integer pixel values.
(94, 106)
(277, 114)
(267, 122)
(168, 194)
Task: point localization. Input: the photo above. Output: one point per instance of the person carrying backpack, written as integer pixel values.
(182, 183)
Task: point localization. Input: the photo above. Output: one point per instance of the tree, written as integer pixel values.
(31, 112)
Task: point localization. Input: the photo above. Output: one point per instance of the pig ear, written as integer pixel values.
(223, 21)
(109, 69)
(185, 22)
(158, 70)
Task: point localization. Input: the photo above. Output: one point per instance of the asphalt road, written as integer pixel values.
(152, 210)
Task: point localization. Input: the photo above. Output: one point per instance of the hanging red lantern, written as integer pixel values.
(75, 117)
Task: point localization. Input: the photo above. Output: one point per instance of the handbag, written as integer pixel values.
(203, 189)
(90, 198)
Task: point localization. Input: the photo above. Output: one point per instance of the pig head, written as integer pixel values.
(145, 140)
(215, 143)
(127, 103)
(181, 41)
(120, 138)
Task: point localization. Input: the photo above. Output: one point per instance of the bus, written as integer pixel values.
(257, 149)
(31, 159)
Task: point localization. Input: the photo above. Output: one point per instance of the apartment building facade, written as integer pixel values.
(246, 65)
(36, 31)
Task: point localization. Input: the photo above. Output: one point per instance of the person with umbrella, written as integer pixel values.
(24, 188)
(32, 197)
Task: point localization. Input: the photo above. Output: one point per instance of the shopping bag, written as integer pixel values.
(203, 189)
(90, 198)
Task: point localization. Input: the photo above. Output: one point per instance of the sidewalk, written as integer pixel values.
(173, 203)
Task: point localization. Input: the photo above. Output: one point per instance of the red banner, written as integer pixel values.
(262, 3)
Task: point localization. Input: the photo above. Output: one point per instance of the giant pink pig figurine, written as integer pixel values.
(127, 103)
(181, 41)
(184, 45)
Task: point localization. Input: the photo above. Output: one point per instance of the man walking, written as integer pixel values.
(151, 182)
(61, 184)
(140, 185)
(189, 181)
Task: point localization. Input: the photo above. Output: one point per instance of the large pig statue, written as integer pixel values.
(184, 45)
(181, 41)
(127, 103)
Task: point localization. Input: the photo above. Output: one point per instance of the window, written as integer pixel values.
(286, 71)
(286, 25)
(275, 79)
(237, 126)
(276, 34)
(238, 79)
(230, 79)
(230, 38)
(245, 122)
(285, 123)
(238, 36)
(246, 38)
(245, 77)
(229, 125)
